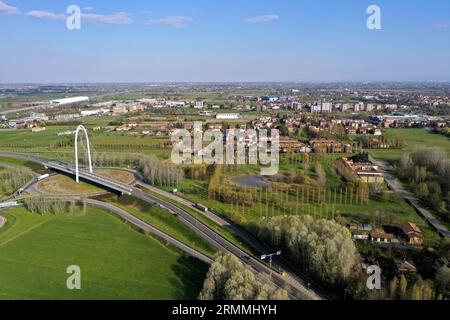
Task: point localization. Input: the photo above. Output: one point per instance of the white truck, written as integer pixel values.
(44, 176)
(6, 205)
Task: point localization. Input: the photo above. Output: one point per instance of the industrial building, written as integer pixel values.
(65, 101)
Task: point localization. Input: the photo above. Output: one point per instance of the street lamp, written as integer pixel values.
(264, 256)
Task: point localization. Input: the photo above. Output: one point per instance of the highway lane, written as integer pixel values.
(292, 272)
(291, 281)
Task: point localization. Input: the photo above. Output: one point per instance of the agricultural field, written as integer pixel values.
(49, 143)
(116, 261)
(411, 137)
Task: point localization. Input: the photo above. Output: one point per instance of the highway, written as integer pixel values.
(295, 285)
(278, 261)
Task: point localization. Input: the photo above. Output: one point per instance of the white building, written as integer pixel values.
(228, 116)
(87, 113)
(175, 103)
(327, 107)
(199, 105)
(60, 102)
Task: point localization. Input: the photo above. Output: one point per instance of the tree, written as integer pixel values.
(403, 284)
(321, 175)
(422, 190)
(442, 280)
(393, 289)
(324, 247)
(229, 279)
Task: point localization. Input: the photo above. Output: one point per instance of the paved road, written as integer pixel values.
(142, 225)
(291, 281)
(395, 185)
(150, 229)
(292, 273)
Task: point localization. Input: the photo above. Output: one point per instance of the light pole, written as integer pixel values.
(264, 256)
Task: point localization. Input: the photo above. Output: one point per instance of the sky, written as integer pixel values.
(224, 41)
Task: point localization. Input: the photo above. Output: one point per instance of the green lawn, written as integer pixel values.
(116, 261)
(162, 220)
(24, 163)
(412, 137)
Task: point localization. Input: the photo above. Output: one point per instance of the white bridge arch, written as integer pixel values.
(82, 128)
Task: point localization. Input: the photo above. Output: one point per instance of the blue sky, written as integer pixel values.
(224, 40)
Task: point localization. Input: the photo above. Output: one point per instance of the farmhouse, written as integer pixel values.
(380, 236)
(412, 233)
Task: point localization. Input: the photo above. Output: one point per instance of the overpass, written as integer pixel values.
(89, 177)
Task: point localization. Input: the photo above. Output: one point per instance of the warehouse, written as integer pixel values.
(65, 101)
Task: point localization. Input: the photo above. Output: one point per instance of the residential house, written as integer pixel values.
(412, 233)
(381, 236)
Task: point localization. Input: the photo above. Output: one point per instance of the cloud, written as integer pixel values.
(7, 9)
(116, 18)
(100, 19)
(442, 25)
(47, 15)
(262, 19)
(171, 21)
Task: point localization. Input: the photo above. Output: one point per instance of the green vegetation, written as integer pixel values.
(23, 163)
(303, 186)
(322, 248)
(160, 219)
(116, 261)
(427, 172)
(61, 147)
(214, 226)
(411, 138)
(229, 279)
(11, 179)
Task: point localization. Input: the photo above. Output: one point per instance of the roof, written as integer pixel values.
(406, 266)
(381, 235)
(410, 228)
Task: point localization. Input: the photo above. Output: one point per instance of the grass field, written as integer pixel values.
(49, 142)
(160, 219)
(116, 261)
(412, 137)
(24, 163)
(63, 185)
(117, 175)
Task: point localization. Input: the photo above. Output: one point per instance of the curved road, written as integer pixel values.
(291, 281)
